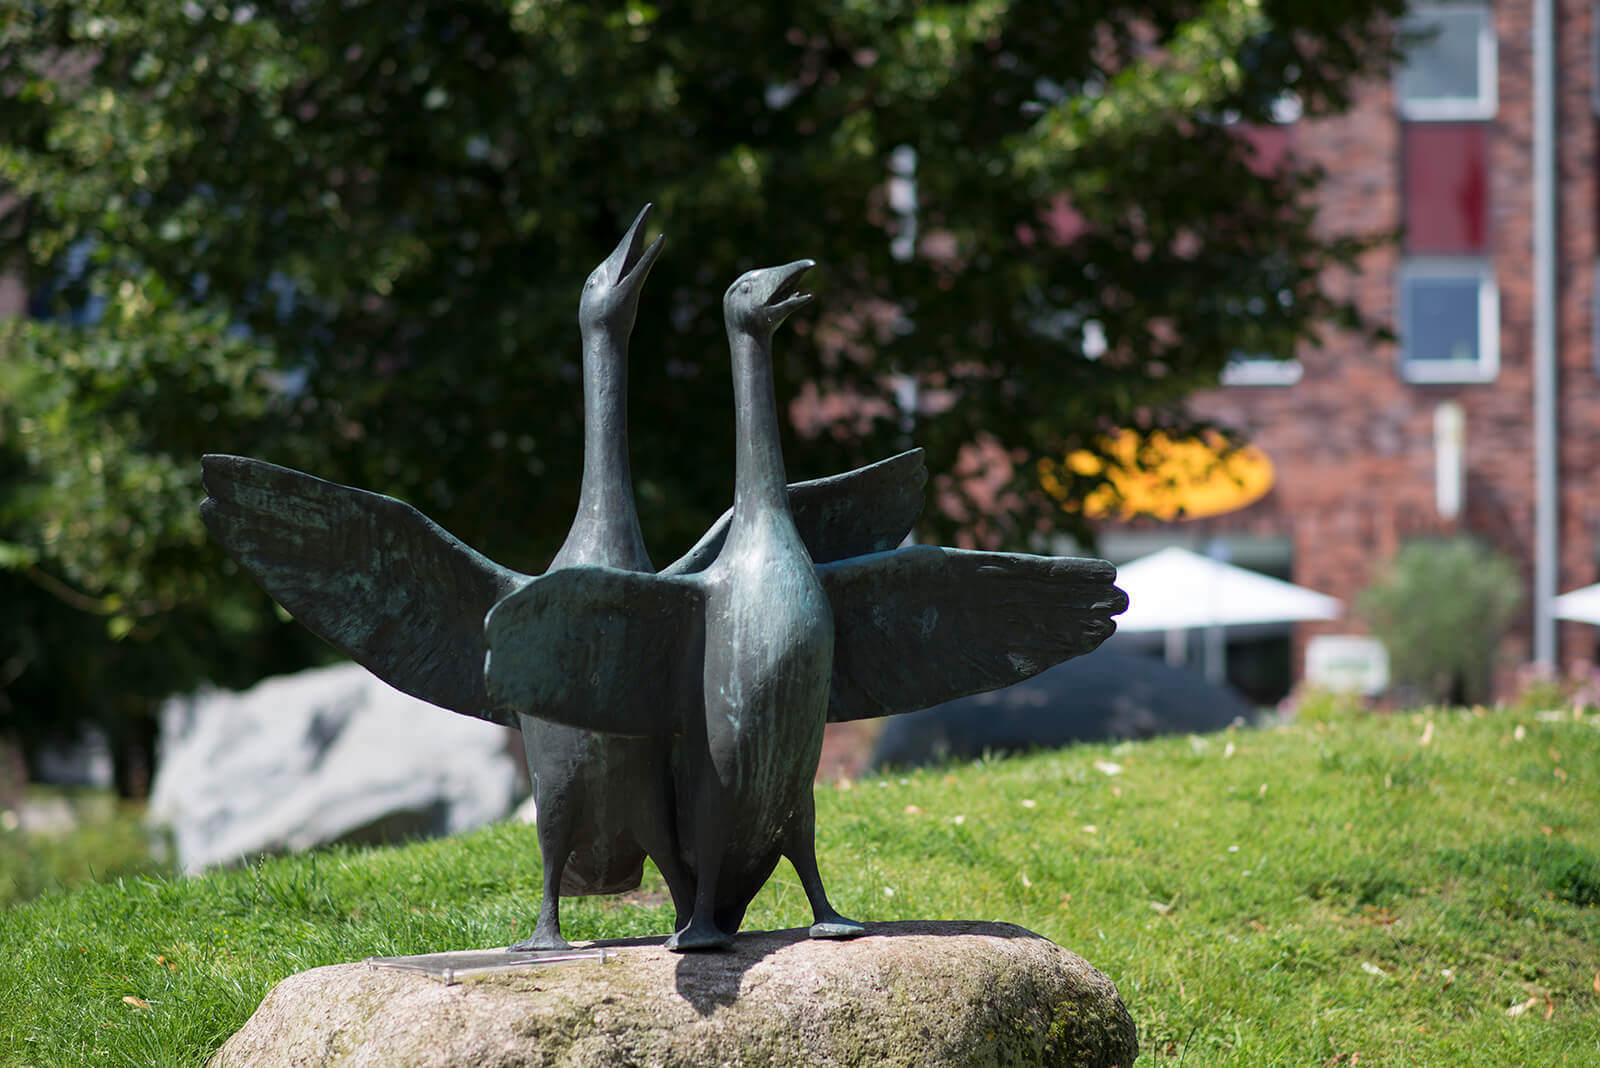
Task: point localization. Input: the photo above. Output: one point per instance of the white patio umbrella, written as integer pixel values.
(1176, 590)
(1582, 605)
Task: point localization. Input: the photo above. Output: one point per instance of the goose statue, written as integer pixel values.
(745, 661)
(397, 593)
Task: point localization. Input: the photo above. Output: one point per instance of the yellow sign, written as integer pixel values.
(1162, 477)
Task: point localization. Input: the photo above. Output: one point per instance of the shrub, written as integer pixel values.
(1440, 609)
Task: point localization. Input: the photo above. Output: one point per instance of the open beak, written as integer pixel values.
(631, 264)
(785, 296)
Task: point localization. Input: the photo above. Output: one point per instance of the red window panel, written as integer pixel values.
(1447, 187)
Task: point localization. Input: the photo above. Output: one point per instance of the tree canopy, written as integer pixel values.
(348, 236)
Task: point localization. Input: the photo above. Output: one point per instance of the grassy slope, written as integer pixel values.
(1318, 894)
(110, 841)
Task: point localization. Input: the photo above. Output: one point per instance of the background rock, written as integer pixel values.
(924, 994)
(1105, 695)
(84, 762)
(328, 755)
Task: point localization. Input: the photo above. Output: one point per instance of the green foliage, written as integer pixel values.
(1439, 610)
(110, 595)
(1366, 889)
(349, 237)
(1314, 705)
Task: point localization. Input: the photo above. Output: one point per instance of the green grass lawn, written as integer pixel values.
(1420, 889)
(110, 841)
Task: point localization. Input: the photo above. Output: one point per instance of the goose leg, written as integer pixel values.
(801, 849)
(555, 845)
(710, 840)
(680, 884)
(730, 917)
(656, 838)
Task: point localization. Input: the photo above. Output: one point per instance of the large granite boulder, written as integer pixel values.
(924, 994)
(1104, 696)
(328, 755)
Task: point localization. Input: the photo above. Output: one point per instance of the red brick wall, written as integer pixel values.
(1578, 167)
(1353, 443)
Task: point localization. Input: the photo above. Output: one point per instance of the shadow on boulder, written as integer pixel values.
(1104, 696)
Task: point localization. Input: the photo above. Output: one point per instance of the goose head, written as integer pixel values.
(761, 299)
(610, 298)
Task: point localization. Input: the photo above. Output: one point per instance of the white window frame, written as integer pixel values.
(1454, 109)
(1487, 366)
(1594, 325)
(1261, 371)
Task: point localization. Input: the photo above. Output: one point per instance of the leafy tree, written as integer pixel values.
(348, 236)
(1440, 608)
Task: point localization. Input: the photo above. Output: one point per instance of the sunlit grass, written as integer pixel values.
(1359, 890)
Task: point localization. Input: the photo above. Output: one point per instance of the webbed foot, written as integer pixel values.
(698, 937)
(836, 926)
(542, 939)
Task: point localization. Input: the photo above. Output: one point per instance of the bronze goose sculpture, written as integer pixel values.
(593, 835)
(747, 660)
(397, 593)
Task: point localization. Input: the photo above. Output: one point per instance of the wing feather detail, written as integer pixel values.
(370, 575)
(867, 510)
(600, 649)
(923, 625)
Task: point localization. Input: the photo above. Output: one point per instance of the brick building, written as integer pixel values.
(1374, 445)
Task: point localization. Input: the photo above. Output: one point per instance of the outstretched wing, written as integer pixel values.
(370, 575)
(920, 626)
(867, 510)
(599, 648)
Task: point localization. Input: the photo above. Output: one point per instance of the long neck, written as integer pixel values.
(606, 529)
(759, 483)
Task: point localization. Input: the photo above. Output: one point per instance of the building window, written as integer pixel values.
(1449, 321)
(1449, 69)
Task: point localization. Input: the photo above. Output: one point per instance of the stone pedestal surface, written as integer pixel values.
(908, 993)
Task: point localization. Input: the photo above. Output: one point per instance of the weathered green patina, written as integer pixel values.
(676, 715)
(745, 662)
